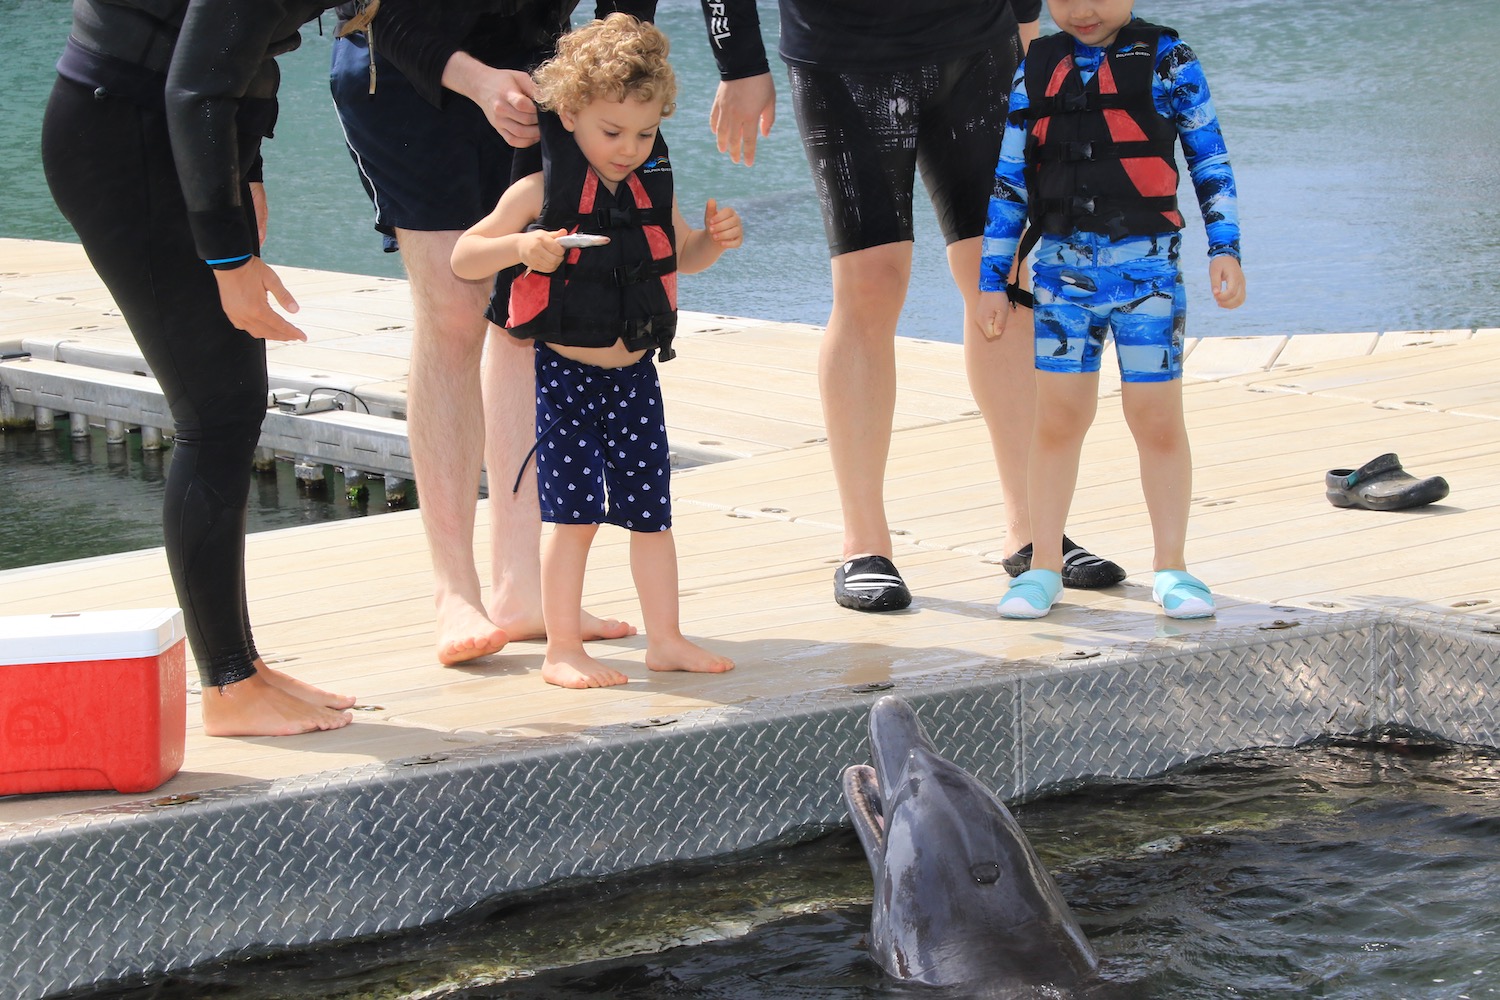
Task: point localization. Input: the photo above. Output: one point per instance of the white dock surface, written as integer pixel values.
(347, 605)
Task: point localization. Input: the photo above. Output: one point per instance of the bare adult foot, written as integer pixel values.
(464, 633)
(255, 707)
(680, 653)
(529, 626)
(302, 689)
(577, 669)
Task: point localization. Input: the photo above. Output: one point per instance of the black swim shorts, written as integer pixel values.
(866, 133)
(425, 169)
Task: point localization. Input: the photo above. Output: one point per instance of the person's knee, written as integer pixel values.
(449, 338)
(1061, 429)
(872, 281)
(1063, 417)
(228, 422)
(1154, 423)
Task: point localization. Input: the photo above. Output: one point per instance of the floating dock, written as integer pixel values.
(455, 785)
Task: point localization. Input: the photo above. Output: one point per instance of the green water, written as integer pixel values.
(64, 498)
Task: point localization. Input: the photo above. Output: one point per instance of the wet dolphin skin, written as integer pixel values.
(961, 898)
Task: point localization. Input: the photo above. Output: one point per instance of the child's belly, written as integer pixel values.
(617, 355)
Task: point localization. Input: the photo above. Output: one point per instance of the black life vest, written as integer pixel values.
(625, 290)
(1099, 158)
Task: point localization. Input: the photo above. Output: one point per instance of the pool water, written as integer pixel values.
(70, 498)
(1344, 870)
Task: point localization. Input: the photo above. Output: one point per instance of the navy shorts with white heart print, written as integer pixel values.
(601, 454)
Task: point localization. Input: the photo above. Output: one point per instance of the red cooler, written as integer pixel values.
(96, 699)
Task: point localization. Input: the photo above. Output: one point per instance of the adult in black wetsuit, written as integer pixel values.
(434, 143)
(151, 138)
(880, 89)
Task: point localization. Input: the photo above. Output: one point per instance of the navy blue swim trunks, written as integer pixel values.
(425, 169)
(601, 455)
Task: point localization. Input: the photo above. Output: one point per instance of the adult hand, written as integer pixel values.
(504, 95)
(1227, 280)
(507, 101)
(242, 293)
(723, 225)
(741, 108)
(991, 314)
(262, 210)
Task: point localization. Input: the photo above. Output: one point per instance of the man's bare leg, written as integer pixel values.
(1003, 381)
(515, 603)
(857, 383)
(445, 419)
(256, 707)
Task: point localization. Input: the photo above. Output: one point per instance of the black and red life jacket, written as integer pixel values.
(1099, 158)
(625, 290)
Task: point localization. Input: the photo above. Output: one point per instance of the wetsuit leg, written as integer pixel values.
(109, 166)
(958, 141)
(859, 131)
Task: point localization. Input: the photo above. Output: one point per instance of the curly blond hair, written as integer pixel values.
(613, 59)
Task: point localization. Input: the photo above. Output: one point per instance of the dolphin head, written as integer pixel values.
(960, 895)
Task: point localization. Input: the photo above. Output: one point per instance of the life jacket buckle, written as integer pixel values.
(1078, 151)
(614, 218)
(630, 274)
(1073, 102)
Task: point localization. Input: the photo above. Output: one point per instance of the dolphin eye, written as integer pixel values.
(986, 872)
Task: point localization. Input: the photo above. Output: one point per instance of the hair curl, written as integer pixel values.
(613, 59)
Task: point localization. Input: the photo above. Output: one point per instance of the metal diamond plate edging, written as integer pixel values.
(131, 890)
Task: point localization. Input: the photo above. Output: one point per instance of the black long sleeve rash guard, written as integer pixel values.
(871, 35)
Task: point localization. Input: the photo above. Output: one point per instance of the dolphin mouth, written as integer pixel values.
(895, 736)
(866, 810)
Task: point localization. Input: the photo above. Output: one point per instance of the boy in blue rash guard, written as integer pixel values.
(1088, 160)
(597, 314)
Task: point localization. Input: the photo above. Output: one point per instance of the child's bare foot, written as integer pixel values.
(595, 627)
(577, 669)
(529, 625)
(464, 633)
(302, 689)
(679, 653)
(255, 707)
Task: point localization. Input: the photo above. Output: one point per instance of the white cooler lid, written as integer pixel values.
(88, 635)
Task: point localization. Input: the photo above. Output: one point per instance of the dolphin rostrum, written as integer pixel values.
(961, 898)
